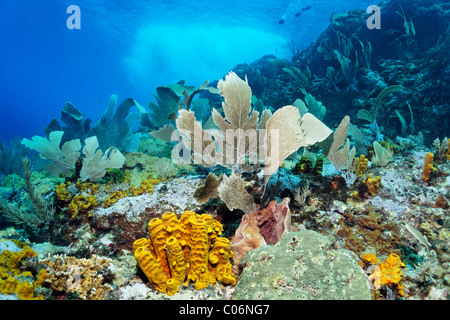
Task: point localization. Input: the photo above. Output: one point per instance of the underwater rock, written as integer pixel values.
(338, 206)
(247, 237)
(302, 266)
(9, 245)
(136, 290)
(260, 227)
(44, 249)
(172, 195)
(281, 184)
(127, 217)
(389, 205)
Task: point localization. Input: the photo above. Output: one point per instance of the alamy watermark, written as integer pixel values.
(74, 20)
(374, 21)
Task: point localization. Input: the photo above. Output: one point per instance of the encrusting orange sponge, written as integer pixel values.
(373, 184)
(369, 257)
(389, 273)
(189, 248)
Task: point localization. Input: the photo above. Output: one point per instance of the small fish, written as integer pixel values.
(68, 248)
(306, 8)
(416, 233)
(298, 14)
(281, 21)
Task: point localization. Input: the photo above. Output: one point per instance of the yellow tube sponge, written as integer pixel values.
(183, 234)
(142, 242)
(184, 250)
(199, 272)
(219, 261)
(169, 220)
(428, 167)
(151, 268)
(214, 227)
(177, 267)
(391, 270)
(369, 257)
(172, 287)
(158, 236)
(361, 166)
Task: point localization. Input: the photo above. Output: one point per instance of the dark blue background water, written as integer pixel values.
(130, 47)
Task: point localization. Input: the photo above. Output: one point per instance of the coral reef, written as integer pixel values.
(345, 197)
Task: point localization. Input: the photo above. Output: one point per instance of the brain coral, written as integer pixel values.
(302, 266)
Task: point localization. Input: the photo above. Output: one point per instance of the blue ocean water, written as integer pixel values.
(129, 48)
